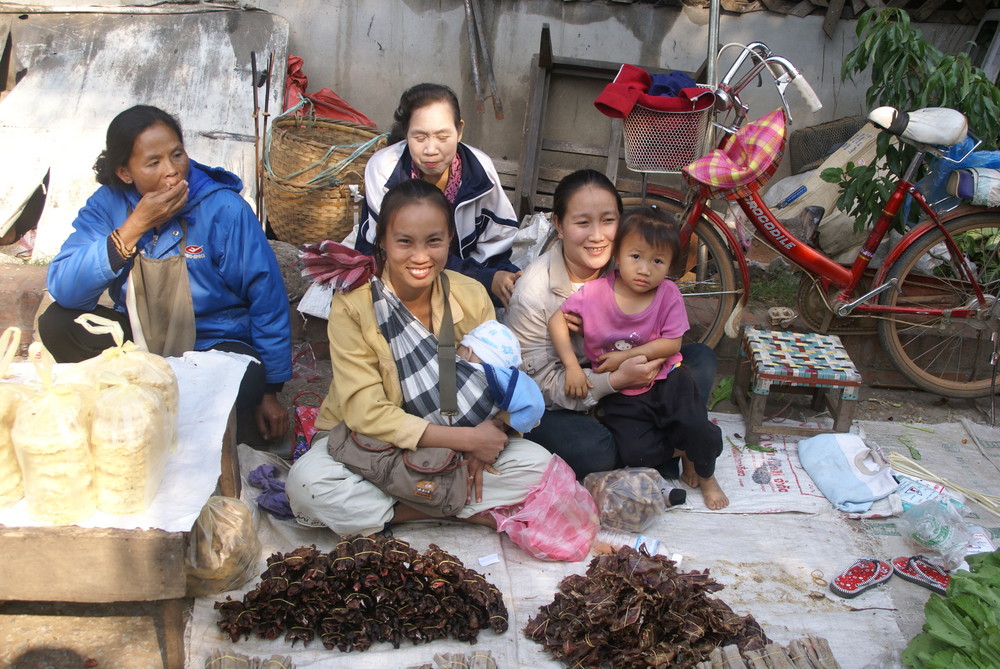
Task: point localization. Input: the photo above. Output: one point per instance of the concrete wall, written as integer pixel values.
(368, 51)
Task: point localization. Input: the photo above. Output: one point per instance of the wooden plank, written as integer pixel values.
(75, 564)
(977, 7)
(925, 10)
(803, 9)
(574, 148)
(230, 481)
(779, 6)
(614, 149)
(832, 17)
(531, 139)
(172, 614)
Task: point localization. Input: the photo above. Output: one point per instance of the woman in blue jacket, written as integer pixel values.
(183, 258)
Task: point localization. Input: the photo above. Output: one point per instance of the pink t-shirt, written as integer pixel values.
(606, 328)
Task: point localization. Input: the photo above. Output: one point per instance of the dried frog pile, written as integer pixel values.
(635, 610)
(366, 590)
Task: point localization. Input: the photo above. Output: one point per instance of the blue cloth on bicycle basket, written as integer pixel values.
(670, 84)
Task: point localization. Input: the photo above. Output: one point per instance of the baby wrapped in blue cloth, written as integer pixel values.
(494, 347)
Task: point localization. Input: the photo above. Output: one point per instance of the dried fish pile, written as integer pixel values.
(631, 609)
(364, 591)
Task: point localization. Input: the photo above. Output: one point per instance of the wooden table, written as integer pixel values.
(105, 565)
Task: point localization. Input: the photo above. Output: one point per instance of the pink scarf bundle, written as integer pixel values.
(332, 263)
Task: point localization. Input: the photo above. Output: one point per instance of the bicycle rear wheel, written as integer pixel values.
(708, 281)
(942, 354)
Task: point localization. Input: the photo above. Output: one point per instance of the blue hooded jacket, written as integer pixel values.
(236, 284)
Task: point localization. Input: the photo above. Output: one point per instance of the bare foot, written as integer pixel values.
(715, 499)
(688, 475)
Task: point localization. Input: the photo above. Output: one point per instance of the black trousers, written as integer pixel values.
(669, 416)
(68, 341)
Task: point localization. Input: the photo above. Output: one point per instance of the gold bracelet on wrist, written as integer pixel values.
(123, 251)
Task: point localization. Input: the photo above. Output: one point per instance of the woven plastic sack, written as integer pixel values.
(557, 521)
(627, 499)
(224, 551)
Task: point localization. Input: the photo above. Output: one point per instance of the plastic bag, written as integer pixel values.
(939, 530)
(224, 550)
(130, 437)
(11, 482)
(51, 436)
(304, 427)
(11, 396)
(304, 363)
(556, 521)
(627, 499)
(532, 239)
(124, 360)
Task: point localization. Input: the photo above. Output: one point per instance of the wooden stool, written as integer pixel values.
(794, 362)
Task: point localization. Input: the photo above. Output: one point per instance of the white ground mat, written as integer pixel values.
(774, 566)
(209, 382)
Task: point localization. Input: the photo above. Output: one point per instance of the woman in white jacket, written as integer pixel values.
(428, 128)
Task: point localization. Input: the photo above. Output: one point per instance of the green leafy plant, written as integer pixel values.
(962, 630)
(907, 72)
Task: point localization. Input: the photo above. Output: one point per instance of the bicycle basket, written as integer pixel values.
(664, 141)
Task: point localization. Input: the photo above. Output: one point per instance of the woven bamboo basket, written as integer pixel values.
(311, 165)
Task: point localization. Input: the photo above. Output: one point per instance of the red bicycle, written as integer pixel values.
(934, 297)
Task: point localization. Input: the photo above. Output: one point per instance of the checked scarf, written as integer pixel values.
(414, 349)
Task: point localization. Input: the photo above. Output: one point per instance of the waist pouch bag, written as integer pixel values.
(846, 471)
(432, 480)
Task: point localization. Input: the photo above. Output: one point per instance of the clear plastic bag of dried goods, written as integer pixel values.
(627, 499)
(51, 436)
(124, 360)
(130, 436)
(224, 550)
(11, 396)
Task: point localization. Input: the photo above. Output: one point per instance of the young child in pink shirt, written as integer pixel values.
(636, 310)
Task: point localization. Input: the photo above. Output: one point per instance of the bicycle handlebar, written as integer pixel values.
(781, 70)
(806, 91)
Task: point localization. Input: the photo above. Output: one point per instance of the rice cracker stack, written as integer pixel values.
(130, 438)
(125, 363)
(51, 436)
(11, 483)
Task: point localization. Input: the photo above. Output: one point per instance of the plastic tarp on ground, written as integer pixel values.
(79, 69)
(773, 565)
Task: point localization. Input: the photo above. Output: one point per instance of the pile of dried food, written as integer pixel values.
(367, 589)
(635, 610)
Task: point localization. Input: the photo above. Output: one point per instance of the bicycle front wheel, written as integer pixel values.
(706, 278)
(942, 354)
